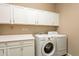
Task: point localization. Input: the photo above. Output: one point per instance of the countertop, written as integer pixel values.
(5, 38)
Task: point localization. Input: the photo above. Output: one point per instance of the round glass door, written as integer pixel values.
(48, 48)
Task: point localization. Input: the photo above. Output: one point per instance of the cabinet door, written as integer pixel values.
(43, 18)
(2, 52)
(23, 15)
(19, 15)
(14, 51)
(28, 50)
(5, 14)
(31, 16)
(47, 18)
(54, 19)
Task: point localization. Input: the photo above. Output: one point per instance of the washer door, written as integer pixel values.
(48, 48)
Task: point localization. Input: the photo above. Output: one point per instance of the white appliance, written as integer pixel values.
(52, 33)
(61, 40)
(61, 44)
(45, 45)
(51, 45)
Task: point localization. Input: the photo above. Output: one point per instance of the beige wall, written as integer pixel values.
(42, 6)
(69, 23)
(22, 29)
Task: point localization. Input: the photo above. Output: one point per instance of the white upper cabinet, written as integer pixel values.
(31, 16)
(5, 14)
(55, 19)
(43, 18)
(19, 15)
(47, 18)
(12, 14)
(24, 15)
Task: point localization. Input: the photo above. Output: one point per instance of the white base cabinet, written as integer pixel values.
(28, 51)
(2, 52)
(2, 49)
(19, 48)
(14, 51)
(28, 48)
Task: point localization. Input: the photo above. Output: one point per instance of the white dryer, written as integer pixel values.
(61, 40)
(62, 45)
(45, 46)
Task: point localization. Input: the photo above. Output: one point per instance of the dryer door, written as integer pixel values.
(48, 48)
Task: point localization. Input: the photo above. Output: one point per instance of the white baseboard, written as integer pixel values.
(69, 54)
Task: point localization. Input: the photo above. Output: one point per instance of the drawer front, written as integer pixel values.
(17, 43)
(28, 42)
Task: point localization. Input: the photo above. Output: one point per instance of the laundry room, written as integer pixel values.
(39, 29)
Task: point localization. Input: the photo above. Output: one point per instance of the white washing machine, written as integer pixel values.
(45, 45)
(61, 41)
